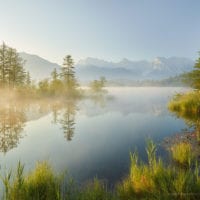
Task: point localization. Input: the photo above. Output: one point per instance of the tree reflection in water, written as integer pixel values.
(67, 120)
(13, 117)
(12, 122)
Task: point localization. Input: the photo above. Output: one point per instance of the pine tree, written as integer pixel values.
(28, 79)
(68, 73)
(54, 75)
(3, 61)
(12, 72)
(19, 72)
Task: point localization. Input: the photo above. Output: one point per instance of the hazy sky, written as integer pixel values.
(107, 29)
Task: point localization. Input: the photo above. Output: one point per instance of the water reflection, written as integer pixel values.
(12, 122)
(55, 111)
(100, 99)
(13, 117)
(101, 130)
(67, 120)
(193, 121)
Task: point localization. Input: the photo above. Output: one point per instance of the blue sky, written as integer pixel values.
(106, 29)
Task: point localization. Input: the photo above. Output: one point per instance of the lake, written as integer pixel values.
(90, 138)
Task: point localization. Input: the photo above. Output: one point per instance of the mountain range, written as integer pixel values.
(92, 68)
(38, 67)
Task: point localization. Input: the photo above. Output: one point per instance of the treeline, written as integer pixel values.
(188, 104)
(14, 76)
(12, 72)
(63, 82)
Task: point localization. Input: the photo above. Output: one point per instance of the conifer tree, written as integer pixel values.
(3, 61)
(28, 79)
(68, 73)
(12, 72)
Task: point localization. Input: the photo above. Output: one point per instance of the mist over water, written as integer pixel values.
(90, 137)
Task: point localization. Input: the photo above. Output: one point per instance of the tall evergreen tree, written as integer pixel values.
(20, 72)
(3, 61)
(28, 79)
(68, 73)
(9, 70)
(12, 72)
(54, 75)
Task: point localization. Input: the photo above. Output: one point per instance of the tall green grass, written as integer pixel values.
(44, 184)
(41, 183)
(182, 153)
(187, 103)
(152, 180)
(157, 180)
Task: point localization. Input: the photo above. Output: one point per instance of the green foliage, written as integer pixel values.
(28, 80)
(188, 103)
(54, 75)
(68, 74)
(158, 181)
(40, 184)
(154, 180)
(60, 84)
(151, 152)
(56, 88)
(193, 78)
(98, 85)
(182, 153)
(43, 184)
(12, 73)
(95, 190)
(43, 87)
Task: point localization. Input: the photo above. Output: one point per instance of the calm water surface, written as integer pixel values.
(90, 138)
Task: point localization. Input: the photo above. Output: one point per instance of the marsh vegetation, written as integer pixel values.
(152, 180)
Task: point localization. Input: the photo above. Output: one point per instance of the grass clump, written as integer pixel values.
(96, 190)
(39, 184)
(43, 184)
(182, 153)
(157, 180)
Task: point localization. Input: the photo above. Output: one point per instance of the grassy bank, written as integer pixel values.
(187, 103)
(43, 183)
(154, 180)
